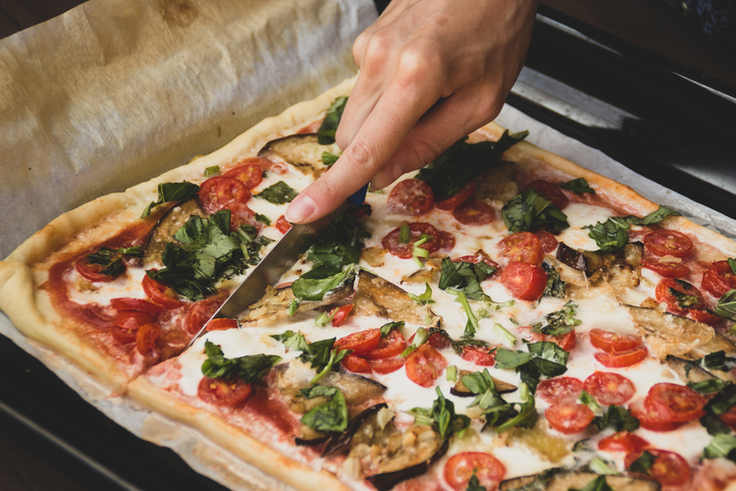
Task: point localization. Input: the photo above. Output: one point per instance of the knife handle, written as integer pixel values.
(358, 197)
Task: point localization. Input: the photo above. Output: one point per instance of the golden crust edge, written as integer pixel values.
(234, 439)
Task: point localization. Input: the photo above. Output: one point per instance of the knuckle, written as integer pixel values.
(417, 63)
(378, 47)
(360, 152)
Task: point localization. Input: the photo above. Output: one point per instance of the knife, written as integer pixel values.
(278, 261)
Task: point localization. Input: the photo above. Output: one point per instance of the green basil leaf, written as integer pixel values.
(328, 158)
(171, 191)
(278, 193)
(642, 464)
(530, 210)
(579, 186)
(212, 171)
(722, 446)
(315, 289)
(326, 131)
(653, 218)
(292, 341)
(249, 368)
(425, 298)
(561, 321)
(474, 484)
(618, 418)
(329, 417)
(555, 286)
(611, 235)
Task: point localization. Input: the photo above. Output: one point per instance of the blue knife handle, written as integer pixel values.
(358, 197)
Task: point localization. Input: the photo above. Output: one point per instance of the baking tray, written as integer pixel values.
(652, 115)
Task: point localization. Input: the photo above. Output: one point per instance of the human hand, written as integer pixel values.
(431, 71)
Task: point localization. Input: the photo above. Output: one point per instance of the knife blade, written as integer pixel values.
(278, 261)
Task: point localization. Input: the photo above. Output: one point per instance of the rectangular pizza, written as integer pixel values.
(501, 319)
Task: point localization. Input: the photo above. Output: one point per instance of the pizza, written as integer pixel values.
(500, 319)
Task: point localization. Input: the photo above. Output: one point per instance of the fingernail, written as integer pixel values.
(300, 209)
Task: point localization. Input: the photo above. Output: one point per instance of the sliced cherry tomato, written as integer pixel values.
(410, 197)
(217, 193)
(551, 191)
(123, 335)
(474, 212)
(525, 281)
(387, 365)
(149, 339)
(729, 418)
(199, 313)
(356, 364)
(132, 319)
(569, 418)
(549, 241)
(240, 214)
(682, 402)
(565, 341)
(668, 269)
(136, 304)
(161, 294)
(282, 225)
(476, 258)
(446, 240)
(425, 365)
(393, 244)
(653, 417)
(609, 388)
(339, 314)
(623, 441)
(485, 357)
(691, 297)
(223, 392)
(719, 278)
(612, 342)
(560, 390)
(522, 247)
(460, 468)
(704, 317)
(665, 242)
(669, 468)
(92, 272)
(222, 324)
(248, 172)
(175, 341)
(456, 199)
(621, 359)
(389, 346)
(360, 342)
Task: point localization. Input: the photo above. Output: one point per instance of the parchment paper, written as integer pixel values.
(115, 92)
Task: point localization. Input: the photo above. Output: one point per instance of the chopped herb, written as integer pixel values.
(404, 234)
(306, 288)
(326, 131)
(642, 464)
(529, 210)
(278, 193)
(171, 191)
(504, 334)
(555, 286)
(425, 298)
(292, 341)
(544, 358)
(474, 484)
(465, 276)
(329, 158)
(722, 446)
(420, 337)
(654, 217)
(293, 306)
(212, 171)
(579, 186)
(249, 368)
(441, 416)
(331, 416)
(602, 467)
(707, 386)
(726, 307)
(418, 251)
(458, 344)
(717, 405)
(612, 235)
(618, 418)
(497, 412)
(559, 322)
(111, 260)
(717, 361)
(451, 373)
(263, 219)
(588, 400)
(390, 326)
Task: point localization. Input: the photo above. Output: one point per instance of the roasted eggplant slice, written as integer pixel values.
(302, 151)
(377, 297)
(460, 390)
(387, 479)
(341, 441)
(166, 227)
(563, 480)
(275, 304)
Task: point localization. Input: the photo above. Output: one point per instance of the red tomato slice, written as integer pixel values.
(456, 199)
(149, 339)
(476, 258)
(222, 324)
(704, 317)
(339, 314)
(653, 417)
(623, 441)
(360, 342)
(240, 214)
(282, 225)
(474, 212)
(161, 294)
(222, 392)
(569, 418)
(405, 251)
(525, 281)
(199, 313)
(122, 335)
(719, 279)
(551, 191)
(663, 294)
(665, 242)
(91, 272)
(682, 402)
(668, 269)
(560, 390)
(622, 358)
(669, 468)
(356, 364)
(387, 365)
(565, 341)
(248, 172)
(410, 197)
(609, 388)
(217, 193)
(549, 241)
(729, 418)
(132, 319)
(612, 342)
(522, 247)
(136, 304)
(392, 345)
(425, 365)
(485, 357)
(460, 467)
